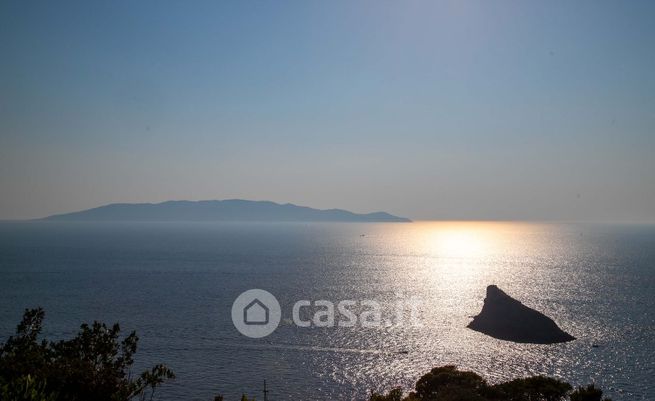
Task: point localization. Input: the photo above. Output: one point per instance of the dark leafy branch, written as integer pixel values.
(94, 365)
(447, 383)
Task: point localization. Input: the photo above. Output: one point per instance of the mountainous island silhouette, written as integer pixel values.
(220, 210)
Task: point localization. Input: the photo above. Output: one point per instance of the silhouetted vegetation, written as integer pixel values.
(94, 365)
(589, 393)
(447, 383)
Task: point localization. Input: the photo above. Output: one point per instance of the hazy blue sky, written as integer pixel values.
(439, 109)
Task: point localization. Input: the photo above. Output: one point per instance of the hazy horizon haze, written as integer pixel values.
(430, 110)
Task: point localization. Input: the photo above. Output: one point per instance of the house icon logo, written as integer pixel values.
(256, 313)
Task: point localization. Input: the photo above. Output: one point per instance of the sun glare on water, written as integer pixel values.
(460, 239)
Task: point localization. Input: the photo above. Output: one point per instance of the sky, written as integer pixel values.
(495, 110)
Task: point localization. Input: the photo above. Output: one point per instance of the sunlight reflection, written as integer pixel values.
(460, 240)
(458, 244)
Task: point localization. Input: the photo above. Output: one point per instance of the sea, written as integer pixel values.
(175, 284)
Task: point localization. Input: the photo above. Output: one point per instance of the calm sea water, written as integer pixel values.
(175, 283)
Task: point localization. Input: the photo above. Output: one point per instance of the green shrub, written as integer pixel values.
(94, 365)
(447, 383)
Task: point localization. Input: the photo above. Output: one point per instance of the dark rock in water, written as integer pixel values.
(505, 318)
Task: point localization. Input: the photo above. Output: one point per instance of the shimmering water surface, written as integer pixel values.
(175, 282)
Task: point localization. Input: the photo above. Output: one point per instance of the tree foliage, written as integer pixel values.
(589, 393)
(94, 365)
(26, 388)
(447, 383)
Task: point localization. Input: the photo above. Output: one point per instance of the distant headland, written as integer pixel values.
(220, 210)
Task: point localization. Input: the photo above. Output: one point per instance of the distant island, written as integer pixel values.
(220, 210)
